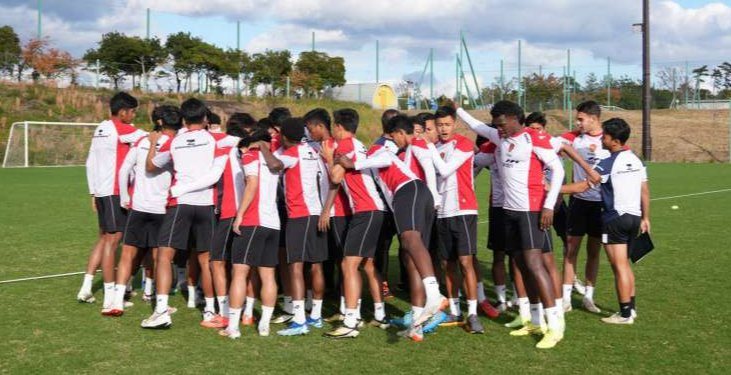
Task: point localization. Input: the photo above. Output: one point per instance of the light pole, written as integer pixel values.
(646, 88)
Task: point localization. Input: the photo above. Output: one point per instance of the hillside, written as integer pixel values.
(678, 135)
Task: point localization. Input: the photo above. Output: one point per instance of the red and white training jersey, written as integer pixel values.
(305, 180)
(150, 190)
(488, 157)
(522, 158)
(591, 150)
(341, 205)
(230, 187)
(192, 155)
(419, 160)
(109, 146)
(262, 211)
(359, 185)
(453, 161)
(391, 172)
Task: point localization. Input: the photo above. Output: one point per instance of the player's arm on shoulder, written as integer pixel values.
(571, 152)
(124, 171)
(478, 126)
(379, 159)
(274, 164)
(203, 181)
(129, 134)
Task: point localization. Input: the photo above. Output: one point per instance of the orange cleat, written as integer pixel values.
(490, 311)
(217, 322)
(247, 320)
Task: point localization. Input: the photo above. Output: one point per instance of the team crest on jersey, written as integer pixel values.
(511, 147)
(592, 147)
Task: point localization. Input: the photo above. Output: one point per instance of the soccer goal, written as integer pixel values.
(47, 144)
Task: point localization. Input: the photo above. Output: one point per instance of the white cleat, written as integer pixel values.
(590, 306)
(634, 314)
(503, 307)
(618, 319)
(432, 307)
(263, 331)
(567, 307)
(579, 287)
(85, 297)
(232, 334)
(157, 321)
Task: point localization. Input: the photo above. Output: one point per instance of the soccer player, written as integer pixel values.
(109, 146)
(191, 215)
(528, 209)
(364, 228)
(336, 211)
(147, 203)
(584, 211)
(227, 176)
(387, 229)
(305, 180)
(457, 215)
(417, 158)
(625, 211)
(256, 226)
(412, 205)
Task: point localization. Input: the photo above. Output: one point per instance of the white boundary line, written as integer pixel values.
(479, 222)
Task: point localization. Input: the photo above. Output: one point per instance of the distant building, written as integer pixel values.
(377, 95)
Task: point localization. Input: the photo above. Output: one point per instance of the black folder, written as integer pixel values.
(641, 246)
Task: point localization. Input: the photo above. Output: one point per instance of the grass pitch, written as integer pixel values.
(47, 227)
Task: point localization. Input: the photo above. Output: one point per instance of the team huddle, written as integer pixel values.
(298, 205)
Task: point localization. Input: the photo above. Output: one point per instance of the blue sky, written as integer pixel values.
(691, 30)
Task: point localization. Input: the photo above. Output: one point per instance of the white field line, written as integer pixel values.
(479, 222)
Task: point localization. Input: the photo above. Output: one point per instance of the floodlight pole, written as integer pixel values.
(646, 92)
(431, 73)
(520, 80)
(609, 83)
(687, 83)
(502, 81)
(313, 41)
(238, 49)
(148, 23)
(377, 62)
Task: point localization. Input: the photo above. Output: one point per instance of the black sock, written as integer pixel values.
(632, 302)
(625, 309)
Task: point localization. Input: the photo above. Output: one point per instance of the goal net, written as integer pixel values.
(47, 144)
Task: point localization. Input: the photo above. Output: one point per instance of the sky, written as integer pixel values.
(697, 31)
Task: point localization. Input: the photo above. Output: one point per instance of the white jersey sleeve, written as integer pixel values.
(478, 126)
(124, 172)
(204, 181)
(551, 160)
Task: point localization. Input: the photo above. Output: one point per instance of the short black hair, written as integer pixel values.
(590, 107)
(422, 118)
(293, 129)
(235, 127)
(279, 114)
(318, 116)
(347, 118)
(509, 109)
(156, 116)
(401, 122)
(213, 119)
(538, 117)
(170, 116)
(385, 117)
(445, 111)
(120, 101)
(243, 120)
(257, 135)
(194, 111)
(265, 123)
(617, 128)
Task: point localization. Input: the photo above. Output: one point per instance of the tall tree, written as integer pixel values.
(184, 50)
(9, 49)
(320, 71)
(270, 68)
(115, 59)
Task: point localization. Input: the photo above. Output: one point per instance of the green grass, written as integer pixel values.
(47, 227)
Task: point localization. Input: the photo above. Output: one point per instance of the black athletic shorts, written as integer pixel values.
(305, 243)
(435, 244)
(458, 235)
(496, 229)
(256, 246)
(548, 241)
(621, 230)
(413, 209)
(141, 230)
(584, 217)
(184, 221)
(337, 234)
(363, 231)
(560, 219)
(222, 239)
(112, 217)
(523, 231)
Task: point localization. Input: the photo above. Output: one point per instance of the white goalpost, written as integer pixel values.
(47, 144)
